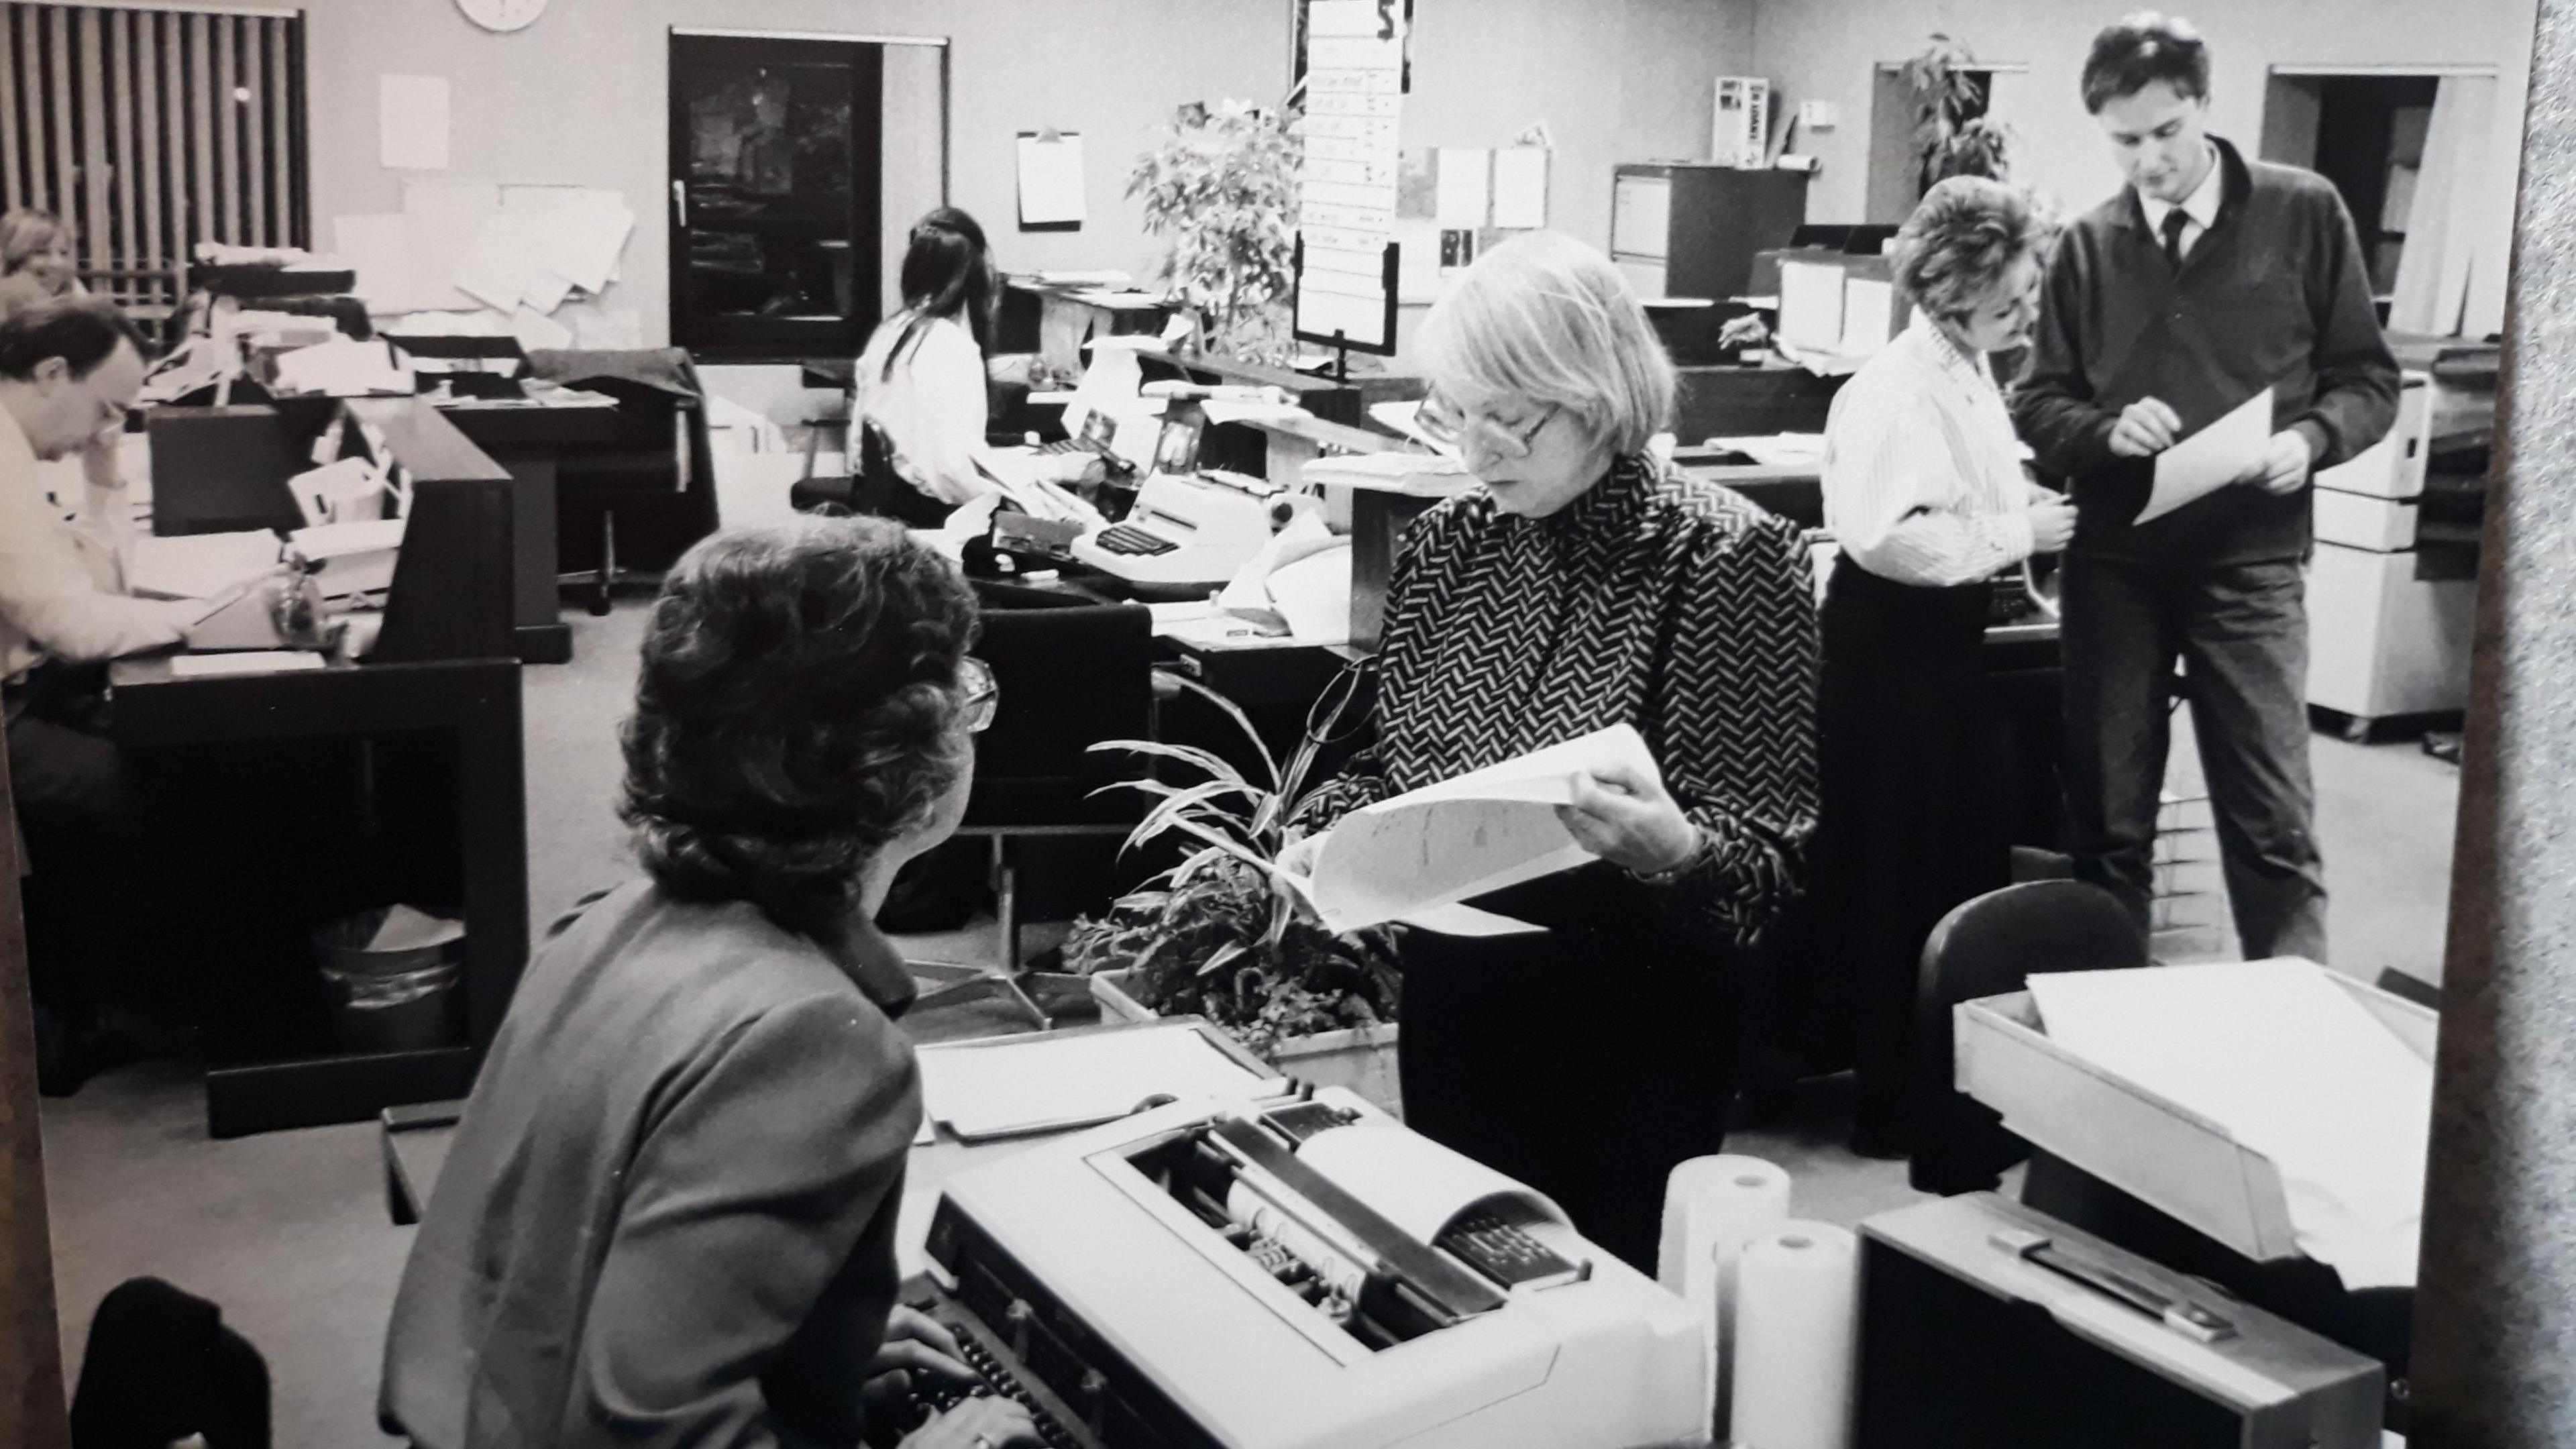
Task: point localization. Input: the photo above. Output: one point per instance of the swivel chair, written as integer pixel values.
(1072, 673)
(630, 506)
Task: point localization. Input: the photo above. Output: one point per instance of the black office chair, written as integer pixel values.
(1071, 673)
(873, 488)
(630, 506)
(1988, 947)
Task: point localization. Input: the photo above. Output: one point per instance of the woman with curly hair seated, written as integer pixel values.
(668, 1217)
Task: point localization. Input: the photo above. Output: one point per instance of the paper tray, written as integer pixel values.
(2179, 1162)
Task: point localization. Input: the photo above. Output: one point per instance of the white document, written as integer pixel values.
(199, 566)
(441, 220)
(345, 490)
(1461, 838)
(1300, 581)
(1052, 1080)
(545, 291)
(1051, 178)
(2292, 1067)
(354, 558)
(538, 332)
(500, 266)
(411, 121)
(1465, 197)
(343, 367)
(579, 233)
(1811, 305)
(2212, 458)
(1520, 187)
(1868, 313)
(407, 929)
(1418, 475)
(247, 661)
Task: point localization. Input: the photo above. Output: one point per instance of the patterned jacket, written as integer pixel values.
(1670, 603)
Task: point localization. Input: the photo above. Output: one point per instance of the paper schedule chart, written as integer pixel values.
(1347, 178)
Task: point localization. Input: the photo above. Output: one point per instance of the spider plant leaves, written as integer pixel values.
(1206, 761)
(1242, 721)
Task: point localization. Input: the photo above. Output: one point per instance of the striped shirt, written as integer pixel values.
(1923, 479)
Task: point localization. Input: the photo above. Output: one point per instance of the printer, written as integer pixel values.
(1302, 1272)
(1190, 530)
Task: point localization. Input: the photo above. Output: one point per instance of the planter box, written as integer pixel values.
(1362, 1058)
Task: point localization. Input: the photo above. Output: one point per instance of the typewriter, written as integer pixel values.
(1300, 1273)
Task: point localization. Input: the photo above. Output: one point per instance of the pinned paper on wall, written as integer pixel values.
(411, 121)
(1050, 180)
(1520, 187)
(442, 219)
(1465, 187)
(577, 233)
(538, 332)
(498, 268)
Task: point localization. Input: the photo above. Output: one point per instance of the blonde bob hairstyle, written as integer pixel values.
(1545, 319)
(27, 233)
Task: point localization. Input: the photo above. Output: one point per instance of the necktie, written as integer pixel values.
(2175, 221)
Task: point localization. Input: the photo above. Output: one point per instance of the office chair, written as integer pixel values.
(1988, 946)
(642, 497)
(873, 488)
(1072, 673)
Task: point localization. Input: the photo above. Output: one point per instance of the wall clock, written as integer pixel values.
(502, 14)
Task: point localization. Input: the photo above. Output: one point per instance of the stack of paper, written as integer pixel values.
(343, 368)
(199, 566)
(355, 558)
(2293, 1068)
(1420, 475)
(1052, 1080)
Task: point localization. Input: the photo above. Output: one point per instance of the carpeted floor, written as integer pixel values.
(288, 1230)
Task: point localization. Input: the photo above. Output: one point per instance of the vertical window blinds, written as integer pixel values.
(150, 128)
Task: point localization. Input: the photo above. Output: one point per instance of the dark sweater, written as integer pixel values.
(2274, 294)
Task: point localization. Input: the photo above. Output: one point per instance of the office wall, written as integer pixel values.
(1829, 49)
(579, 97)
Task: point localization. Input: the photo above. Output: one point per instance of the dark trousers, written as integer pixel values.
(78, 813)
(1911, 822)
(2241, 631)
(1585, 1062)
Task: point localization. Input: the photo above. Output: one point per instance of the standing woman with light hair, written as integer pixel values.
(1926, 495)
(1583, 584)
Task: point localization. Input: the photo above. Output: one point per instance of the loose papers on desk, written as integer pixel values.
(2212, 458)
(1417, 475)
(1442, 844)
(1052, 1080)
(199, 566)
(1299, 584)
(344, 367)
(2292, 1067)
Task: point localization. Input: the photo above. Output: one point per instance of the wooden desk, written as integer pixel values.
(442, 668)
(529, 439)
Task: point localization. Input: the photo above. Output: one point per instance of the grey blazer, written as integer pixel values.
(668, 1216)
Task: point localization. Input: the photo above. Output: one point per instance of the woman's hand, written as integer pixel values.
(1623, 814)
(983, 1422)
(916, 1343)
(2052, 524)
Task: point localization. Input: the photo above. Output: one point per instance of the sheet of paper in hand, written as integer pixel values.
(1414, 857)
(2212, 458)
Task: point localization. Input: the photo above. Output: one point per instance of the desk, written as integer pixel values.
(1736, 402)
(529, 440)
(442, 668)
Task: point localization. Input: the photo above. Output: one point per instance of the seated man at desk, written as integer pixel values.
(668, 1217)
(69, 369)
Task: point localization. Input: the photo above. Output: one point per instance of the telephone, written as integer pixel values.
(278, 610)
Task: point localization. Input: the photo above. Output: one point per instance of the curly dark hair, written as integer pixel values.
(1962, 239)
(794, 712)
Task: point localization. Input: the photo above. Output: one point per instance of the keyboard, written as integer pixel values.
(1504, 1253)
(931, 1398)
(1127, 538)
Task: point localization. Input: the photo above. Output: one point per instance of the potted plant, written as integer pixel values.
(1221, 183)
(1218, 934)
(1953, 135)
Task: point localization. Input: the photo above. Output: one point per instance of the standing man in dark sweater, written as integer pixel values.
(2207, 279)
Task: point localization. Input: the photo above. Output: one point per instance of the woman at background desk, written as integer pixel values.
(36, 266)
(668, 1217)
(1925, 493)
(921, 384)
(1583, 584)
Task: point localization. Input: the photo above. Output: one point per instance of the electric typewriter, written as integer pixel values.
(1300, 1273)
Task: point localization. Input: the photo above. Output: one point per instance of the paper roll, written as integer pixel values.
(1712, 1205)
(1796, 1320)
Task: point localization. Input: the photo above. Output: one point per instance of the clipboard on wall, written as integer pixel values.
(1050, 180)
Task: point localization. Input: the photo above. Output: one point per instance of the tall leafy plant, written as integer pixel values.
(1221, 184)
(1952, 134)
(1218, 933)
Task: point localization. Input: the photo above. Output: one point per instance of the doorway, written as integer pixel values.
(798, 164)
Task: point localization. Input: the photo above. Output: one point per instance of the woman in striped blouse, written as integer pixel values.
(1582, 584)
(1926, 495)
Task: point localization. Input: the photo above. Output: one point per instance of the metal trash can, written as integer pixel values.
(391, 990)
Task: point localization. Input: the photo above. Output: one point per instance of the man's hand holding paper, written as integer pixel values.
(2240, 447)
(2284, 464)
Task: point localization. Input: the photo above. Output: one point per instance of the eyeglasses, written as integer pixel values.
(1447, 424)
(979, 695)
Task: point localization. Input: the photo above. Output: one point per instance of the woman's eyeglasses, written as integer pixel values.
(978, 694)
(1448, 425)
